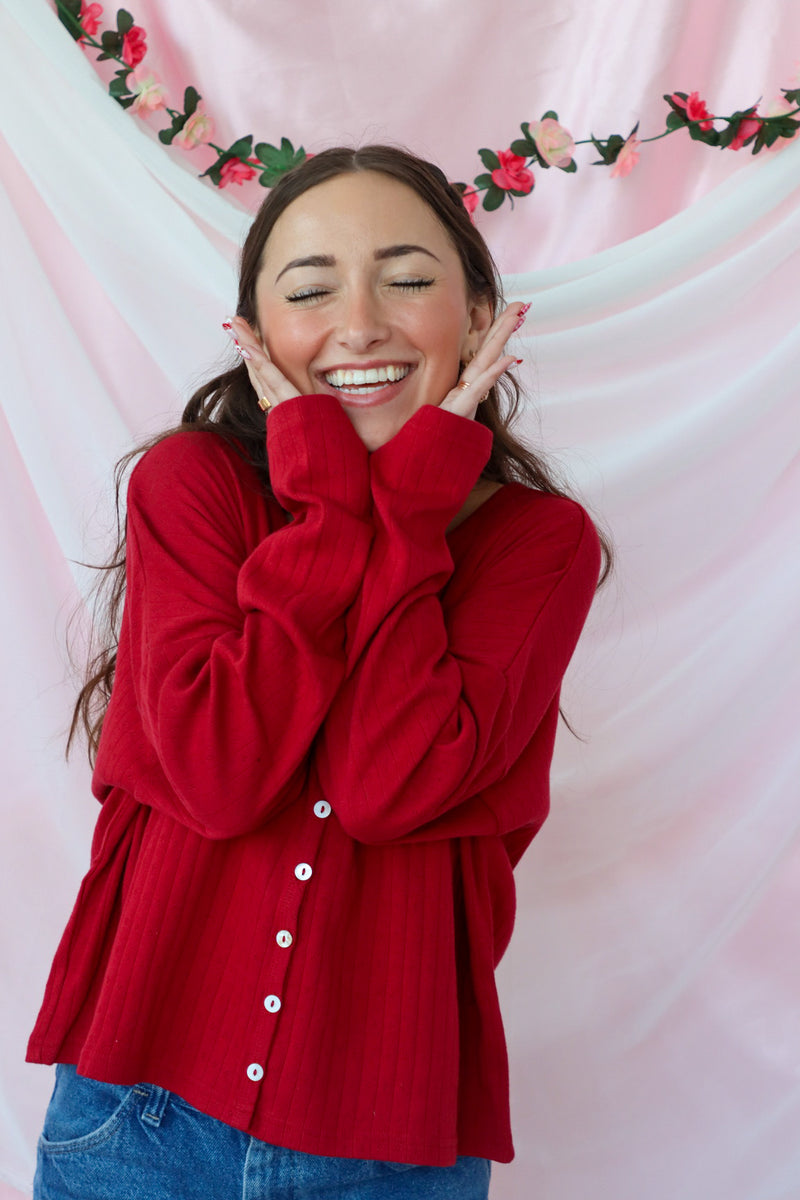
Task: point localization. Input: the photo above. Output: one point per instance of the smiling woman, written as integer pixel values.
(350, 595)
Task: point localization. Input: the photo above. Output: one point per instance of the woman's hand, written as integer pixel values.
(483, 371)
(269, 384)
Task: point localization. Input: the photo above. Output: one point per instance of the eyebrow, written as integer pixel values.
(327, 260)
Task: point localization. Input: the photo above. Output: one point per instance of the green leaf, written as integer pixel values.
(111, 43)
(601, 150)
(792, 95)
(214, 172)
(489, 159)
(242, 148)
(517, 192)
(526, 129)
(287, 149)
(267, 154)
(191, 98)
(124, 22)
(675, 120)
(571, 167)
(119, 86)
(676, 108)
(271, 175)
(550, 115)
(764, 137)
(483, 181)
(166, 135)
(69, 12)
(709, 136)
(125, 101)
(493, 198)
(524, 147)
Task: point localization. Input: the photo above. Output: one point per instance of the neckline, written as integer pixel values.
(490, 503)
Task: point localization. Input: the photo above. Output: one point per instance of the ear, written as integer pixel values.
(479, 316)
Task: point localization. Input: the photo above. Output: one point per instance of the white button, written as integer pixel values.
(322, 809)
(255, 1072)
(272, 1004)
(284, 938)
(303, 870)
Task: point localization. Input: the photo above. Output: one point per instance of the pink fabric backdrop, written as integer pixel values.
(651, 989)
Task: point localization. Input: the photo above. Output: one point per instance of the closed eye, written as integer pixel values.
(412, 285)
(306, 294)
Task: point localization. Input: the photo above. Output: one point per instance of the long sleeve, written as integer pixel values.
(233, 654)
(446, 691)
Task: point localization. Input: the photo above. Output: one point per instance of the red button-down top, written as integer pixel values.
(327, 745)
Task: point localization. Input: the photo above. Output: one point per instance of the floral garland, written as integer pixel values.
(545, 143)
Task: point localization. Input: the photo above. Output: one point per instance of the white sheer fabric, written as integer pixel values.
(651, 988)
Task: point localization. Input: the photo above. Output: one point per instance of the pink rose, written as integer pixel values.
(198, 129)
(512, 174)
(627, 158)
(235, 171)
(134, 46)
(553, 142)
(470, 199)
(748, 125)
(695, 109)
(149, 93)
(89, 17)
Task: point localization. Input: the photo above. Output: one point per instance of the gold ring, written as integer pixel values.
(462, 383)
(265, 404)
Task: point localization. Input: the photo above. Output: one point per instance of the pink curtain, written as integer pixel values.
(651, 988)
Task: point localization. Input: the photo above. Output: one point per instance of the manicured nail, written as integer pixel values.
(244, 353)
(523, 312)
(520, 361)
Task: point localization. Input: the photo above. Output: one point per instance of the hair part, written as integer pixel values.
(225, 404)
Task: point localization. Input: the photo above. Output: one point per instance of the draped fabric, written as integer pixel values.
(651, 987)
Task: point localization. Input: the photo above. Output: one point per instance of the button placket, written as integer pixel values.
(287, 916)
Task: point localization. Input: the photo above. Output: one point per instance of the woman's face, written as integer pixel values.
(362, 296)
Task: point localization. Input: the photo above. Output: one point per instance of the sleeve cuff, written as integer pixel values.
(315, 453)
(433, 462)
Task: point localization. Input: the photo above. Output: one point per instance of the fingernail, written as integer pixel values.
(523, 312)
(244, 353)
(520, 361)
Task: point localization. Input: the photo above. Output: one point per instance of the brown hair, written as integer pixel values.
(225, 405)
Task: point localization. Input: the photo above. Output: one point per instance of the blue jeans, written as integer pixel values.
(104, 1141)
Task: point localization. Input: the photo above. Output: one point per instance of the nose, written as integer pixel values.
(363, 324)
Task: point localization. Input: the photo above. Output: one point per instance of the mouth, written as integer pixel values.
(368, 384)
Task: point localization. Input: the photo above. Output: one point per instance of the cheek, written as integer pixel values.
(290, 340)
(443, 334)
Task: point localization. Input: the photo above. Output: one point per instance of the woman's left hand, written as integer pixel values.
(483, 371)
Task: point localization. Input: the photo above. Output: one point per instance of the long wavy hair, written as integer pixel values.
(226, 407)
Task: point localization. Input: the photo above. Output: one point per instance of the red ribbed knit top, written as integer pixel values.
(328, 744)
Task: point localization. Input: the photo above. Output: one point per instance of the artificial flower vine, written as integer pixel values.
(508, 173)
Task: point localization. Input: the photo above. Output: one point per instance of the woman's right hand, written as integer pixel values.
(269, 384)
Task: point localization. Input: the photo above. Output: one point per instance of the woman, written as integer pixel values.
(334, 703)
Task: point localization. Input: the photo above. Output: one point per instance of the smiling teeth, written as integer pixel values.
(372, 375)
